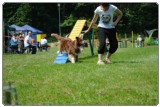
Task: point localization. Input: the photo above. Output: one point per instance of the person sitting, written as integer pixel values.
(21, 43)
(44, 44)
(28, 42)
(13, 43)
(34, 46)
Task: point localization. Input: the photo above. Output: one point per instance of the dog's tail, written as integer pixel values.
(58, 37)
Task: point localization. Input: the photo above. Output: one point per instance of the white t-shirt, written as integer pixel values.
(139, 39)
(106, 17)
(43, 41)
(25, 41)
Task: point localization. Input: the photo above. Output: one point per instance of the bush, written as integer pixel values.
(146, 41)
(150, 41)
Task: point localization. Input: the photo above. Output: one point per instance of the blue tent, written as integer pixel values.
(35, 31)
(30, 28)
(18, 28)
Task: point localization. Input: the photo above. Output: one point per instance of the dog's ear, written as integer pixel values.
(77, 38)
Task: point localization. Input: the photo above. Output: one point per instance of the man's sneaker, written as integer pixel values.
(100, 63)
(107, 60)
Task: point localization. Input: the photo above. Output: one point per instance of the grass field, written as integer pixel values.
(132, 78)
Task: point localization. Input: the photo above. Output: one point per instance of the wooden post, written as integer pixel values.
(132, 40)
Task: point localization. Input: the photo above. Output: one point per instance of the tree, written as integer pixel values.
(136, 16)
(21, 15)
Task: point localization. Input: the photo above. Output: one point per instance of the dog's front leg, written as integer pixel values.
(60, 49)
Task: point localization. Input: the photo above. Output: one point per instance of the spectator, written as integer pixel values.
(44, 43)
(13, 43)
(21, 43)
(28, 41)
(139, 40)
(34, 46)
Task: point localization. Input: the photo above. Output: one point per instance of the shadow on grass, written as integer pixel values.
(88, 57)
(82, 59)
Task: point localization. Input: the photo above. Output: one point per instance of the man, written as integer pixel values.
(28, 41)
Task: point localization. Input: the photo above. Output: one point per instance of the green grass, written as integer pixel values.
(132, 78)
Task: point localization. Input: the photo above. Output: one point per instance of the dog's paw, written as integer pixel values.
(73, 60)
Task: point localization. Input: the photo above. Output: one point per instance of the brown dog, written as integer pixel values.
(73, 48)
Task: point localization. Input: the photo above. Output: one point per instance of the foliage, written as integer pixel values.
(69, 21)
(136, 16)
(150, 41)
(21, 16)
(147, 41)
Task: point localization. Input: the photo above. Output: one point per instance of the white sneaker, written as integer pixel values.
(107, 60)
(100, 63)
